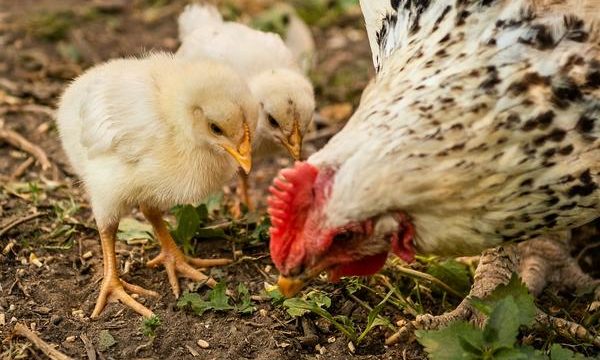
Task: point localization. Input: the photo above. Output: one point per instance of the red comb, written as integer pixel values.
(291, 196)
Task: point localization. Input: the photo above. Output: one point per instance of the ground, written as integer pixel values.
(50, 262)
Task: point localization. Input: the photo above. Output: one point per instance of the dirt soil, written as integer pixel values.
(51, 264)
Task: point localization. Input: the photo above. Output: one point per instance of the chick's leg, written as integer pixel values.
(113, 288)
(174, 261)
(243, 190)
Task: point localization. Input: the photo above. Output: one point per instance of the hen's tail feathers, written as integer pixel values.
(196, 16)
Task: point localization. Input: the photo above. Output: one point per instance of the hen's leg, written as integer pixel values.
(174, 261)
(547, 260)
(496, 267)
(538, 262)
(113, 288)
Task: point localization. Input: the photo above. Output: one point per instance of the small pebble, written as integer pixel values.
(78, 313)
(2, 319)
(11, 307)
(320, 349)
(263, 312)
(71, 338)
(203, 344)
(87, 255)
(268, 268)
(351, 347)
(331, 339)
(13, 320)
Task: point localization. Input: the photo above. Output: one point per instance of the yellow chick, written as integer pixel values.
(154, 132)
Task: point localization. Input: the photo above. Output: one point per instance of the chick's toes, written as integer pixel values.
(175, 262)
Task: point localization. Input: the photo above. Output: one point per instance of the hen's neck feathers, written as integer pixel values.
(484, 126)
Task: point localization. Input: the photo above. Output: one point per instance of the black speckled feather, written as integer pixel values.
(482, 124)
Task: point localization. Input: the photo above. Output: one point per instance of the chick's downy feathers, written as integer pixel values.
(481, 126)
(155, 130)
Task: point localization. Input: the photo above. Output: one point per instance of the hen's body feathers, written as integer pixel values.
(482, 124)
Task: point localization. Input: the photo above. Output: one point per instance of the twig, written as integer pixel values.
(427, 277)
(17, 140)
(20, 221)
(52, 353)
(22, 168)
(89, 347)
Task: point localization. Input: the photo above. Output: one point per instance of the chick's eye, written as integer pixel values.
(273, 122)
(216, 129)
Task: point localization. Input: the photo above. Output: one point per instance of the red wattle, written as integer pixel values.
(368, 265)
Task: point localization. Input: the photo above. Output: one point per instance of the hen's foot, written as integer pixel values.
(114, 289)
(174, 261)
(539, 262)
(547, 260)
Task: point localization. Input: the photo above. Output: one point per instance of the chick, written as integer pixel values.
(154, 132)
(286, 96)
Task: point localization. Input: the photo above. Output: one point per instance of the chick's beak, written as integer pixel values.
(289, 286)
(294, 142)
(243, 153)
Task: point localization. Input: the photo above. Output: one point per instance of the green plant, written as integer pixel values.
(149, 326)
(218, 300)
(509, 308)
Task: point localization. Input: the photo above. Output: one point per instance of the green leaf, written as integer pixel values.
(319, 299)
(149, 325)
(198, 305)
(246, 306)
(558, 352)
(452, 273)
(105, 340)
(213, 203)
(374, 320)
(188, 221)
(131, 230)
(518, 291)
(217, 300)
(218, 297)
(449, 343)
(502, 327)
(297, 307)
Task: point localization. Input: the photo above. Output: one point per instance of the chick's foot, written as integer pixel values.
(174, 261)
(177, 264)
(114, 289)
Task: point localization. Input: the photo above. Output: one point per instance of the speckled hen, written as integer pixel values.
(480, 129)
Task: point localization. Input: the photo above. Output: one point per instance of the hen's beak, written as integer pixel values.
(289, 286)
(294, 142)
(243, 153)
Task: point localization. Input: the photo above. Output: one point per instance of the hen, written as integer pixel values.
(480, 129)
(154, 132)
(285, 95)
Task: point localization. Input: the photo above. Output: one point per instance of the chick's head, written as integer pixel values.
(287, 104)
(213, 107)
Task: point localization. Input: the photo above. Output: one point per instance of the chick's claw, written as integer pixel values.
(176, 264)
(114, 289)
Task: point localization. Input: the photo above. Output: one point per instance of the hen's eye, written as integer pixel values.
(216, 129)
(273, 122)
(345, 236)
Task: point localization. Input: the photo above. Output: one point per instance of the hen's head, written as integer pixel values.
(303, 244)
